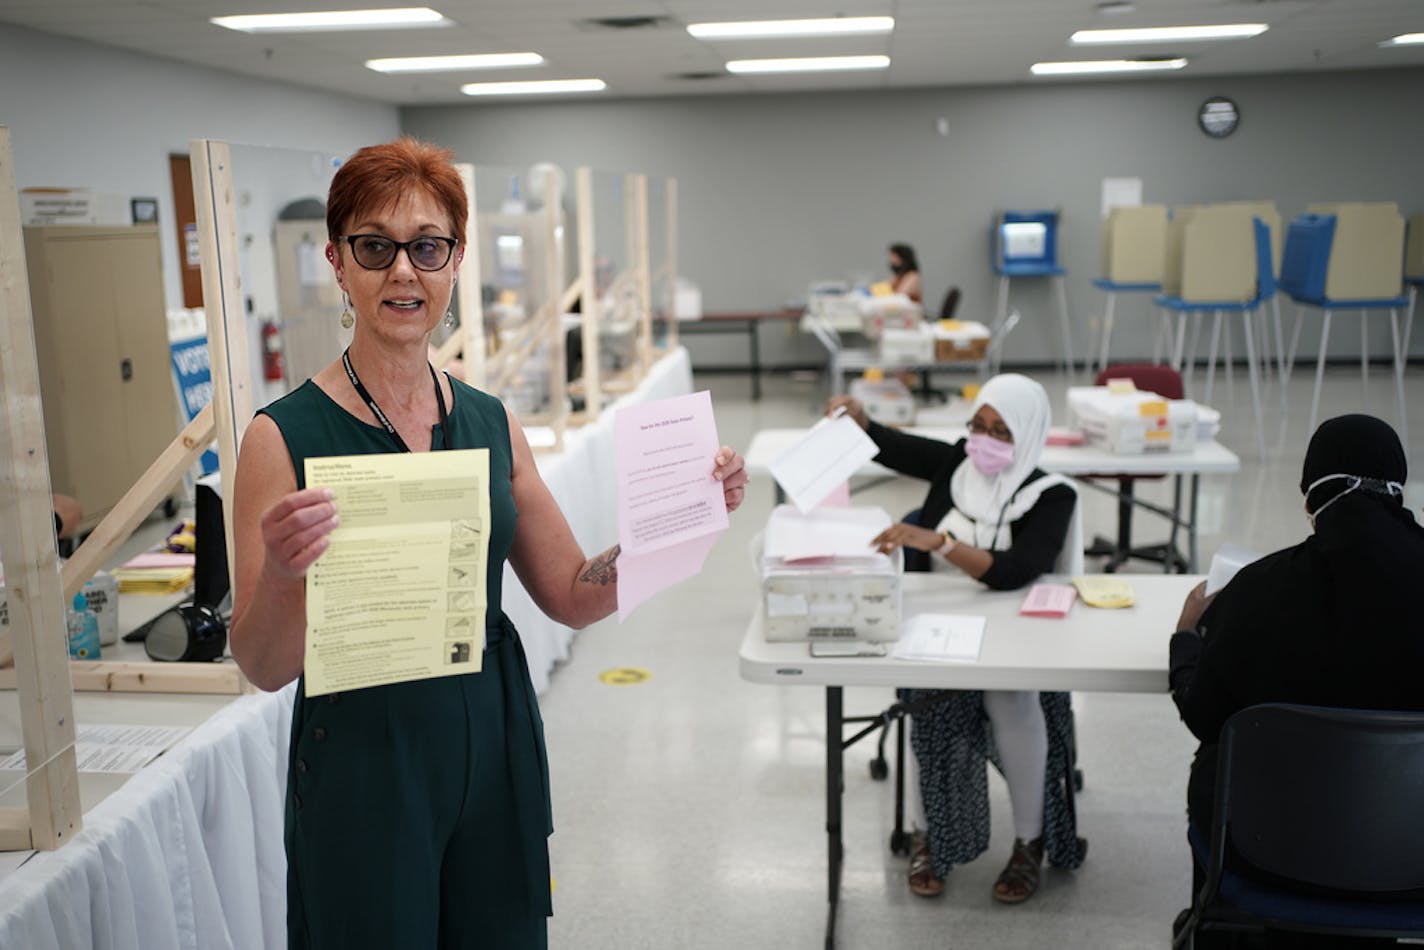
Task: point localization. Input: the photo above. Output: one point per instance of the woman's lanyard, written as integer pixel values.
(381, 416)
(997, 527)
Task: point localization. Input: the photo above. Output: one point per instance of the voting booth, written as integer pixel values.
(1025, 244)
(1134, 247)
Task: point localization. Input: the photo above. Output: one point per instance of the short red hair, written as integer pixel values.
(378, 175)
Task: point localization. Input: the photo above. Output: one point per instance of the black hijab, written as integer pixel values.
(1357, 445)
(1367, 548)
(1338, 619)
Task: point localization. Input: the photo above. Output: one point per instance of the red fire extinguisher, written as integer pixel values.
(271, 352)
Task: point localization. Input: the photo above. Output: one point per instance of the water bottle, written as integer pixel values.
(83, 631)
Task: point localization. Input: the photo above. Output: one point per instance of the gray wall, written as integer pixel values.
(83, 115)
(778, 190)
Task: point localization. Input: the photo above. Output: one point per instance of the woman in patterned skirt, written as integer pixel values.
(993, 515)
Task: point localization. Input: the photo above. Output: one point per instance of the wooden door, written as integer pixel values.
(190, 268)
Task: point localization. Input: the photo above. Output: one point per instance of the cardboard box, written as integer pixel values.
(960, 341)
(48, 206)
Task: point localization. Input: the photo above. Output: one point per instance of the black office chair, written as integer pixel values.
(950, 304)
(1326, 803)
(1167, 383)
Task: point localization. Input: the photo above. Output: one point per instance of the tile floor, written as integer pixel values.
(690, 809)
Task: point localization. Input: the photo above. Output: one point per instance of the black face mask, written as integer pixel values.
(898, 269)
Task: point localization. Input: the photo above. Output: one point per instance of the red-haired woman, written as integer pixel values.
(417, 812)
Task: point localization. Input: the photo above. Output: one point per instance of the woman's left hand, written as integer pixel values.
(1196, 604)
(905, 535)
(731, 471)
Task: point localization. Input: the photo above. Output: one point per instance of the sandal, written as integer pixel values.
(1019, 879)
(922, 876)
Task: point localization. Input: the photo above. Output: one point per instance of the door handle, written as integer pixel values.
(126, 370)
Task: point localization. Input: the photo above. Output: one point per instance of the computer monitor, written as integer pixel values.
(210, 577)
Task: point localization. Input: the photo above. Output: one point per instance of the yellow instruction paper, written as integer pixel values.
(400, 593)
(1098, 591)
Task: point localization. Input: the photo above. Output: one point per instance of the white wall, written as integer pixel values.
(778, 190)
(84, 115)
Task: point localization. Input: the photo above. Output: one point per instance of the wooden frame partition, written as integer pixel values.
(467, 345)
(43, 673)
(670, 200)
(53, 813)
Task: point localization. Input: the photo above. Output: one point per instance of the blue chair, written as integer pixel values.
(1324, 804)
(1303, 272)
(1265, 291)
(1025, 244)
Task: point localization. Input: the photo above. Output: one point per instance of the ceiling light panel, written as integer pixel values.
(1097, 67)
(534, 88)
(808, 64)
(763, 29)
(1405, 39)
(334, 21)
(1169, 34)
(448, 64)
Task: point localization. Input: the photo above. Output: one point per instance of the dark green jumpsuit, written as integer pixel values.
(418, 813)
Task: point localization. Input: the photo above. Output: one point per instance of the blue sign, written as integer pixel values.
(195, 385)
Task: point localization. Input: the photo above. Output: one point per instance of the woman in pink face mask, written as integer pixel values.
(993, 515)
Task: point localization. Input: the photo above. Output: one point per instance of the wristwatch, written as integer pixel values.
(949, 544)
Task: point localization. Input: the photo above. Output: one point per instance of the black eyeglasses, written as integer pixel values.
(377, 252)
(998, 431)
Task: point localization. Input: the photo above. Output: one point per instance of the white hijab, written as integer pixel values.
(986, 505)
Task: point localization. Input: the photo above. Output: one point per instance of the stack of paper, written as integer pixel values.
(1105, 591)
(941, 638)
(111, 748)
(1048, 600)
(823, 532)
(153, 580)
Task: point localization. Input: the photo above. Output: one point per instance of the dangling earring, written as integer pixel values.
(348, 319)
(450, 319)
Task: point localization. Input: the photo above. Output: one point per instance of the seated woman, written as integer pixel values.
(1331, 621)
(906, 268)
(1003, 522)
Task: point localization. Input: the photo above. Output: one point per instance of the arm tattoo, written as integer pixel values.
(603, 570)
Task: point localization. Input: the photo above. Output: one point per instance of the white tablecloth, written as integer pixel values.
(188, 853)
(583, 482)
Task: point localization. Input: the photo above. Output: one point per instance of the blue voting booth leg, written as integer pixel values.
(1001, 316)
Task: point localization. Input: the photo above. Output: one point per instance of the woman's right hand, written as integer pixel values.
(852, 407)
(296, 530)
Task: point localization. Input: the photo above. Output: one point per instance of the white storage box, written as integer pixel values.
(1133, 422)
(102, 594)
(837, 306)
(886, 401)
(914, 347)
(686, 300)
(895, 311)
(853, 594)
